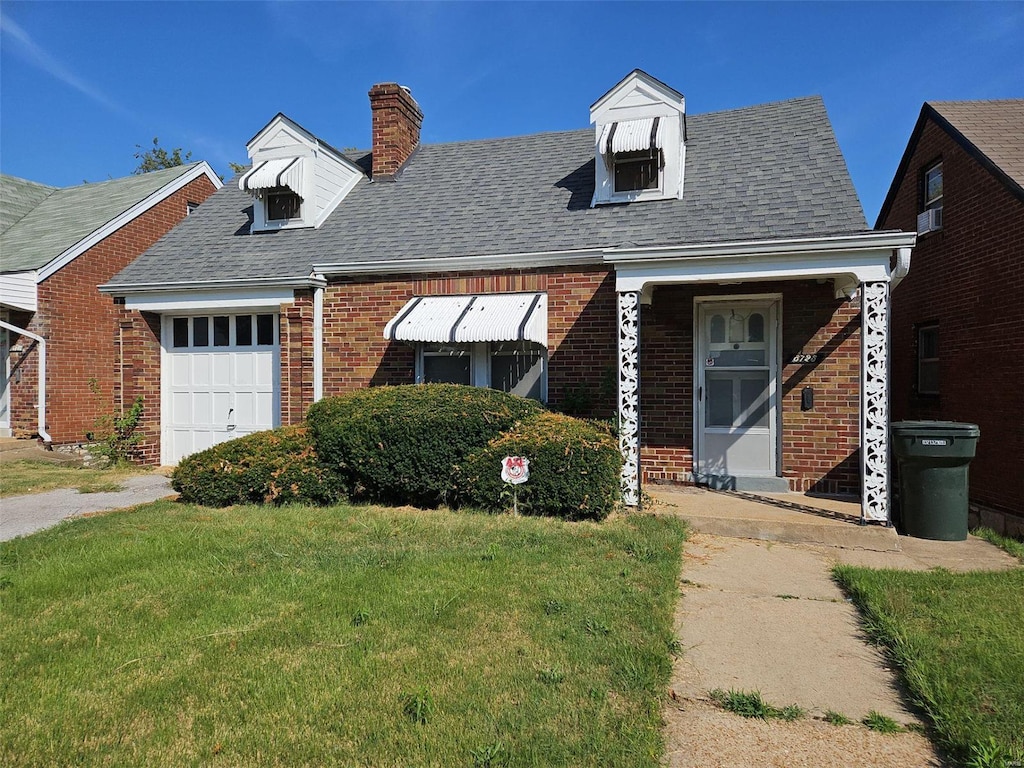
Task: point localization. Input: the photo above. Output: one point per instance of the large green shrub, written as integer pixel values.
(272, 467)
(574, 469)
(400, 444)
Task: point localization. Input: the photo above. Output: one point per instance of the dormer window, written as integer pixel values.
(637, 170)
(640, 141)
(283, 204)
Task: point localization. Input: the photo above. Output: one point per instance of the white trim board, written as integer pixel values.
(211, 301)
(72, 253)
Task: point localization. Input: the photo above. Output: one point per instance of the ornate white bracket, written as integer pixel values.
(874, 408)
(629, 395)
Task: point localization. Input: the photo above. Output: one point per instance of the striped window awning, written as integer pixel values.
(632, 135)
(467, 319)
(271, 174)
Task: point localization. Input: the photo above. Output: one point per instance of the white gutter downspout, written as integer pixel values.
(902, 267)
(41, 405)
(318, 343)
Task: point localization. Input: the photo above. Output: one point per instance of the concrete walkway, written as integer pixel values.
(22, 515)
(761, 615)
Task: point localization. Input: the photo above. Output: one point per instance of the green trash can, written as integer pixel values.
(933, 457)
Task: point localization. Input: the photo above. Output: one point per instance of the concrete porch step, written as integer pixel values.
(785, 517)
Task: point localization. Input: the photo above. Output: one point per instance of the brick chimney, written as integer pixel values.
(396, 128)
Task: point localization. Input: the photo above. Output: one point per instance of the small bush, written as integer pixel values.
(273, 467)
(400, 444)
(574, 469)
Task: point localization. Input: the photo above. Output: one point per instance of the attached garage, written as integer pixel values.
(220, 380)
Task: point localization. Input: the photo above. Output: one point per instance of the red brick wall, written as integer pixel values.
(396, 121)
(137, 373)
(969, 278)
(820, 447)
(81, 326)
(581, 331)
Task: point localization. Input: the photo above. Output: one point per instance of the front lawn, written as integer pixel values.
(959, 641)
(178, 635)
(20, 477)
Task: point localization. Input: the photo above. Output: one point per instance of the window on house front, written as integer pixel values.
(928, 360)
(636, 171)
(223, 331)
(933, 187)
(283, 204)
(515, 367)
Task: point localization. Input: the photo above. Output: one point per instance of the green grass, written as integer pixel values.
(21, 477)
(876, 721)
(752, 704)
(836, 718)
(958, 640)
(179, 635)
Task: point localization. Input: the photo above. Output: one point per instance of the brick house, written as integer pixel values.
(56, 246)
(702, 276)
(958, 353)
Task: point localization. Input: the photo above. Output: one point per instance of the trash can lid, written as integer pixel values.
(958, 428)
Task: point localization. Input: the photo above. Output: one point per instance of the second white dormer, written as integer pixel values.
(639, 141)
(296, 179)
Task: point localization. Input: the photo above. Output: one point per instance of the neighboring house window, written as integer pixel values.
(283, 204)
(635, 171)
(519, 368)
(223, 331)
(930, 218)
(928, 360)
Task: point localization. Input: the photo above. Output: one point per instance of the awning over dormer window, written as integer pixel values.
(273, 174)
(467, 319)
(632, 135)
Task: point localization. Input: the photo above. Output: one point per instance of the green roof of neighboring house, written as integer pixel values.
(18, 197)
(39, 223)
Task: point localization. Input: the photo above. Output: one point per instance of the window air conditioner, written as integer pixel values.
(929, 221)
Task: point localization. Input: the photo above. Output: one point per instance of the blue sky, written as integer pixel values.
(82, 83)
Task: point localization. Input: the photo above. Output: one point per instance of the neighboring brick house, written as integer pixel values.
(700, 275)
(56, 246)
(958, 350)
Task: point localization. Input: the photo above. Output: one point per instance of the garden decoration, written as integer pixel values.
(515, 470)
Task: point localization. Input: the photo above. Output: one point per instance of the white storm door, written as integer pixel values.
(221, 380)
(737, 388)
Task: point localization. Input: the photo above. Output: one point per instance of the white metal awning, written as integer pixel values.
(466, 319)
(632, 135)
(270, 174)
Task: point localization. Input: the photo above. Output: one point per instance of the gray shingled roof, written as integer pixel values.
(56, 221)
(770, 171)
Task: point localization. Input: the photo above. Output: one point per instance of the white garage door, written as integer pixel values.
(221, 380)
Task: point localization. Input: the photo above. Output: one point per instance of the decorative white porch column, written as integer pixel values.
(629, 395)
(874, 401)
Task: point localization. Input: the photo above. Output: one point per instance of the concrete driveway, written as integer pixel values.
(22, 515)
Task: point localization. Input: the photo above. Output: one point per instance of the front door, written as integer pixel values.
(737, 389)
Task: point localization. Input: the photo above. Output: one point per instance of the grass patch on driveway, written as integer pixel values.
(176, 635)
(21, 477)
(959, 642)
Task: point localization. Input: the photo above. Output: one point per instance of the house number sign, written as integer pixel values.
(803, 358)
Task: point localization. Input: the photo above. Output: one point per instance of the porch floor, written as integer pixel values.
(787, 517)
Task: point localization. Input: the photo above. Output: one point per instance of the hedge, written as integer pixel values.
(271, 467)
(574, 469)
(400, 444)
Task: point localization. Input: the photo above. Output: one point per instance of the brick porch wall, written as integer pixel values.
(820, 448)
(81, 327)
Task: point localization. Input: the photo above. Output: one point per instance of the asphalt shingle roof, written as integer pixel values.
(770, 171)
(995, 127)
(44, 226)
(17, 198)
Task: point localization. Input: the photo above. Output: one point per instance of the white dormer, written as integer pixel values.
(296, 179)
(639, 141)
